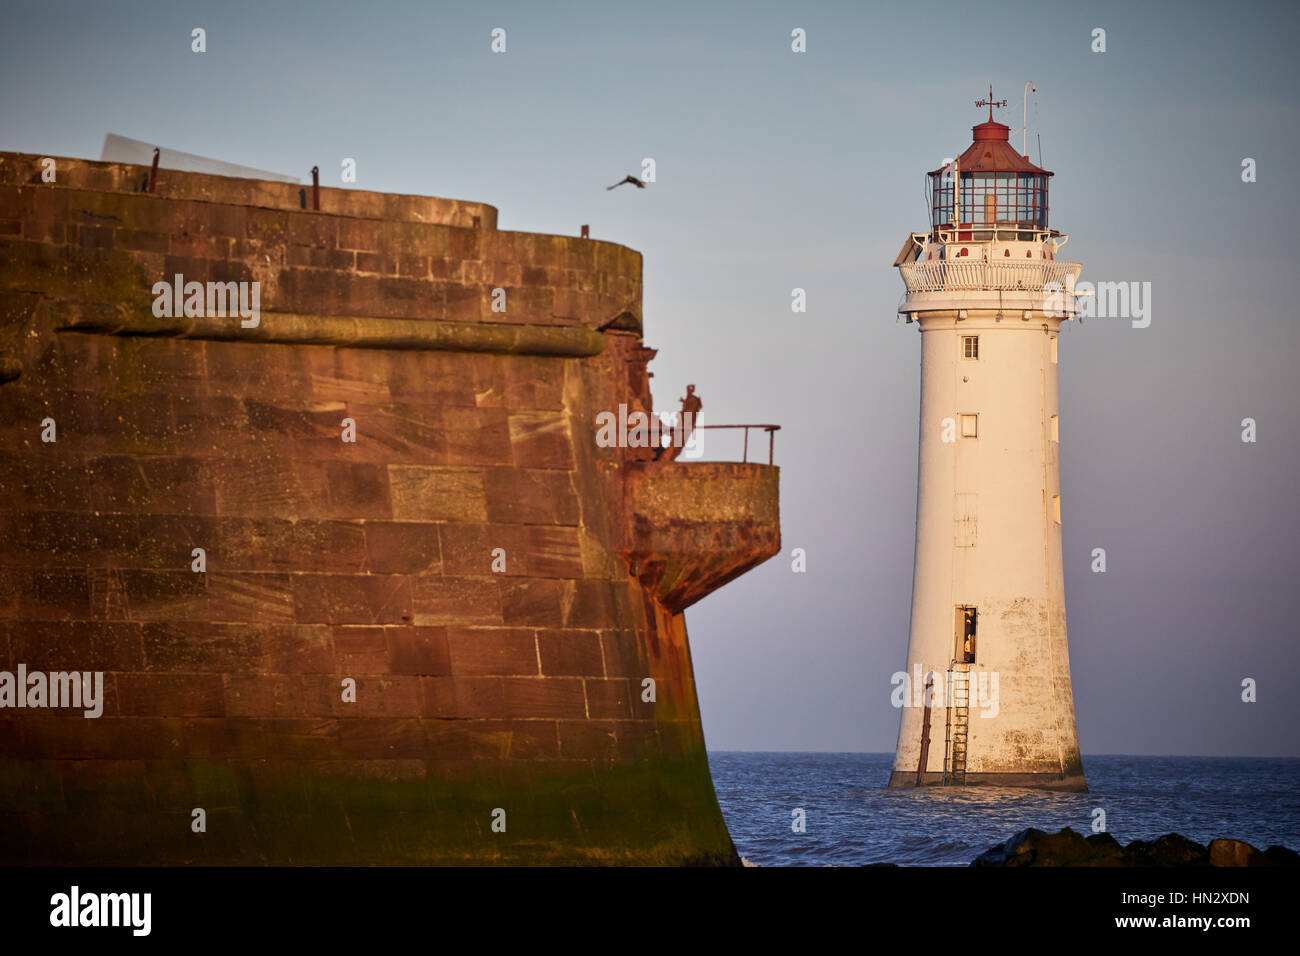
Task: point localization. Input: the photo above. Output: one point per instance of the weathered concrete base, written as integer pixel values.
(1071, 782)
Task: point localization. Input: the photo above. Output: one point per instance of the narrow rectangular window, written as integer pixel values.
(1056, 429)
(970, 426)
(970, 346)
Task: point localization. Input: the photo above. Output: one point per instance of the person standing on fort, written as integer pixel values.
(691, 406)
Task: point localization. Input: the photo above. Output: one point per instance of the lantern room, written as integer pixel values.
(1001, 194)
(989, 245)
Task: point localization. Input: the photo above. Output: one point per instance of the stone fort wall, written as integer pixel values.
(476, 688)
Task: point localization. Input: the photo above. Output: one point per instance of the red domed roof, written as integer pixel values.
(992, 152)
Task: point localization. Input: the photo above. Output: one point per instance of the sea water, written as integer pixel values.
(852, 818)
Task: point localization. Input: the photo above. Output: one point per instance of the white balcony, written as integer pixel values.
(978, 275)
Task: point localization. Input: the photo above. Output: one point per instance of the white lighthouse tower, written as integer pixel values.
(988, 293)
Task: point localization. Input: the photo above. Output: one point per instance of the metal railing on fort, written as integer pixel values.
(771, 438)
(978, 274)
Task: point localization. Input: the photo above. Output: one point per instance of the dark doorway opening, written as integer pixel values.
(964, 620)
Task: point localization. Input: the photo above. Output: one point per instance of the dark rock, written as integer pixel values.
(1281, 856)
(1032, 847)
(1170, 850)
(1105, 850)
(1017, 851)
(1235, 853)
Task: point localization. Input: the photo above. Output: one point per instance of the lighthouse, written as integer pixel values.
(989, 700)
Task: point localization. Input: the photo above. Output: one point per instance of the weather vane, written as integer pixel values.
(990, 103)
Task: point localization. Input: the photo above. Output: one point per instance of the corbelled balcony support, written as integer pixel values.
(691, 527)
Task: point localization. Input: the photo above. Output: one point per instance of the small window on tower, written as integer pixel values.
(970, 426)
(970, 346)
(1053, 349)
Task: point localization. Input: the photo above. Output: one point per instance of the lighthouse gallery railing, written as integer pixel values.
(977, 274)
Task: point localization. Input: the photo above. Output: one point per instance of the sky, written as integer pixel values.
(778, 170)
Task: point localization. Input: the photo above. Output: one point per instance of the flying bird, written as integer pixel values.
(629, 179)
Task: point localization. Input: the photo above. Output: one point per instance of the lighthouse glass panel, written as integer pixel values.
(989, 198)
(942, 203)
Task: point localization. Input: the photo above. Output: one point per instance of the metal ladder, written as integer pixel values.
(958, 728)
